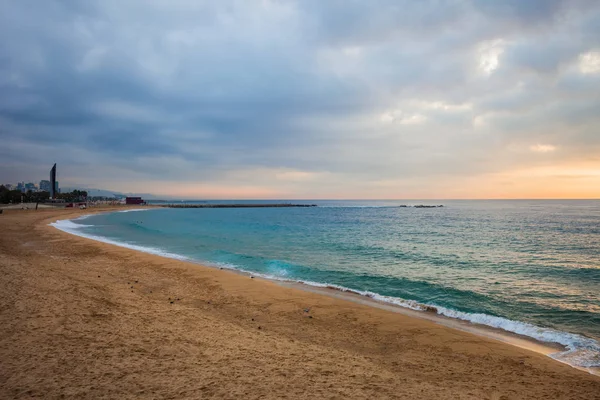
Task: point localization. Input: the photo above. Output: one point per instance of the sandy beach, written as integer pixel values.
(83, 319)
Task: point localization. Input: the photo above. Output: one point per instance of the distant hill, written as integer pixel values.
(105, 193)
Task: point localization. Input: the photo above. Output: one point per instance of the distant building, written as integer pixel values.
(134, 200)
(45, 186)
(53, 183)
(30, 186)
(21, 186)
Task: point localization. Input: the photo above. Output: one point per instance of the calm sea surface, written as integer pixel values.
(530, 267)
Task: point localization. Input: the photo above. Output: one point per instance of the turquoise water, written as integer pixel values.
(530, 267)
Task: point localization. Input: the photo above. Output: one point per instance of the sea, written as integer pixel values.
(529, 267)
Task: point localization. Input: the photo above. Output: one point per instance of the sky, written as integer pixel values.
(304, 99)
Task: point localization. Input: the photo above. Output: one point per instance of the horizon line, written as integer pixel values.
(378, 199)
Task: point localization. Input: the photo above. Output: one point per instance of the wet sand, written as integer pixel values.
(82, 319)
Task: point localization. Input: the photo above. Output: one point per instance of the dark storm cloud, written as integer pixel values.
(365, 91)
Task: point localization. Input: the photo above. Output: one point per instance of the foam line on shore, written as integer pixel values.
(70, 227)
(580, 351)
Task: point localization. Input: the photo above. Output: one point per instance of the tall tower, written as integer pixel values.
(53, 182)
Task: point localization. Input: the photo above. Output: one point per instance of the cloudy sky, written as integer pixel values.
(304, 99)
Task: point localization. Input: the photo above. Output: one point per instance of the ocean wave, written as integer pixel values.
(74, 229)
(135, 209)
(580, 351)
(68, 224)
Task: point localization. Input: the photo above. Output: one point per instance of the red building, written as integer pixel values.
(134, 200)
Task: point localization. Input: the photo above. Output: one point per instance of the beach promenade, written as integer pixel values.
(87, 320)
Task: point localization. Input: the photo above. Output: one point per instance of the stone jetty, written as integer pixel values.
(238, 205)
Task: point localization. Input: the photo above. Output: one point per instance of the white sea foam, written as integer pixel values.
(75, 229)
(67, 224)
(581, 351)
(135, 209)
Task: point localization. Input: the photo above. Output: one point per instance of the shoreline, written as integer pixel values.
(85, 319)
(523, 341)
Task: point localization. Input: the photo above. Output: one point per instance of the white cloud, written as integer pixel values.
(294, 176)
(403, 118)
(413, 119)
(352, 51)
(128, 111)
(441, 105)
(542, 148)
(92, 59)
(489, 53)
(589, 63)
(387, 117)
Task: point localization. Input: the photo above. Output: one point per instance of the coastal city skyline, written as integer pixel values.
(304, 99)
(43, 186)
(51, 185)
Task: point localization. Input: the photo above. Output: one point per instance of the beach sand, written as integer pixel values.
(83, 319)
